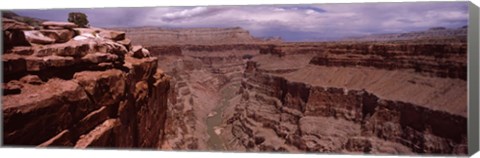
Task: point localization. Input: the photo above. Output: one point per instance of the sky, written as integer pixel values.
(290, 22)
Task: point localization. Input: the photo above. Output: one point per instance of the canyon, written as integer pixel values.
(221, 89)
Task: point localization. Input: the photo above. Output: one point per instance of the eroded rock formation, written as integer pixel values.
(343, 101)
(228, 91)
(80, 87)
(151, 36)
(344, 97)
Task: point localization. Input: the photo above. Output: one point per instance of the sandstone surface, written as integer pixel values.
(64, 91)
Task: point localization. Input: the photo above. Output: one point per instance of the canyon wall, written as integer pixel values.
(224, 90)
(151, 36)
(198, 80)
(342, 101)
(66, 86)
(396, 97)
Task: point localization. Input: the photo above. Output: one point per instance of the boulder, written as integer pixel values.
(31, 79)
(60, 36)
(36, 37)
(111, 47)
(112, 34)
(80, 31)
(126, 42)
(107, 34)
(13, 38)
(12, 87)
(85, 36)
(140, 52)
(58, 25)
(136, 48)
(145, 53)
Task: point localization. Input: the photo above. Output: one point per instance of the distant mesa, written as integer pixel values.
(432, 33)
(148, 36)
(437, 28)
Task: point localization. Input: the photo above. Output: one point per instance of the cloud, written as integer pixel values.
(190, 13)
(292, 22)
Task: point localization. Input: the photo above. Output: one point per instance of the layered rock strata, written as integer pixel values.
(66, 86)
(152, 36)
(339, 101)
(440, 59)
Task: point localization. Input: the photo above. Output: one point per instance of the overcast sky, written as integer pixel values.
(291, 22)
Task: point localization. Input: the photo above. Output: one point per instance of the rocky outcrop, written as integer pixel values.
(83, 89)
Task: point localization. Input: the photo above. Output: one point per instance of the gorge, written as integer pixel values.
(221, 89)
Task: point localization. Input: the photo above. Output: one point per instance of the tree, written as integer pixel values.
(78, 18)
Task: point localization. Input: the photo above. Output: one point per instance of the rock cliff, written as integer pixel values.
(90, 87)
(80, 87)
(359, 97)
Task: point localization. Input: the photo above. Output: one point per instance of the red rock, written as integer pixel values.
(100, 136)
(45, 110)
(113, 35)
(63, 139)
(90, 121)
(36, 37)
(58, 25)
(111, 47)
(71, 48)
(14, 38)
(34, 64)
(21, 50)
(99, 57)
(140, 52)
(13, 64)
(111, 81)
(126, 42)
(60, 36)
(58, 61)
(12, 87)
(9, 24)
(136, 48)
(107, 34)
(31, 79)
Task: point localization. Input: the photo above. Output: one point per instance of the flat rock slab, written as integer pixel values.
(56, 24)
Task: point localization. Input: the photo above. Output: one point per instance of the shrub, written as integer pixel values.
(78, 18)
